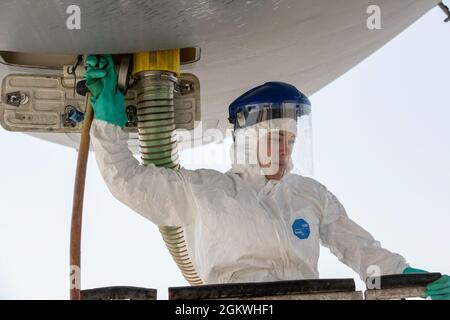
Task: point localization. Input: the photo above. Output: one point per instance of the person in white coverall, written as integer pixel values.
(256, 222)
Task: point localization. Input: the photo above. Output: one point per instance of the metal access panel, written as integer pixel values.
(41, 103)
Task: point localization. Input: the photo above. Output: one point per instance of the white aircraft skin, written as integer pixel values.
(308, 43)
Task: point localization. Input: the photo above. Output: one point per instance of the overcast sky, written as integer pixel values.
(381, 144)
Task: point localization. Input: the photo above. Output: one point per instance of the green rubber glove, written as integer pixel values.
(106, 99)
(437, 290)
(413, 270)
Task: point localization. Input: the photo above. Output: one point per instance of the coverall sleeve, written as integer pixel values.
(353, 245)
(162, 195)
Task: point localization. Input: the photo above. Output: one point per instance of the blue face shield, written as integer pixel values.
(252, 114)
(274, 107)
(271, 139)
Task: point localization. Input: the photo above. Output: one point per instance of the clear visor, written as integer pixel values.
(253, 114)
(302, 153)
(277, 138)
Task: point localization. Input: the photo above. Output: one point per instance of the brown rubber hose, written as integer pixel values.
(77, 208)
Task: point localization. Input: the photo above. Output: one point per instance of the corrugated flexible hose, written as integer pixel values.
(158, 145)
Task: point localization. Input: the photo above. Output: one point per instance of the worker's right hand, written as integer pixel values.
(106, 99)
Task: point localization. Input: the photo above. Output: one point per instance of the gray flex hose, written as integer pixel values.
(158, 145)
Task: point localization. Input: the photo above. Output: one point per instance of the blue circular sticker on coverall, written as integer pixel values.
(301, 229)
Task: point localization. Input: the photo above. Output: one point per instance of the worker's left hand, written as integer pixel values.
(437, 290)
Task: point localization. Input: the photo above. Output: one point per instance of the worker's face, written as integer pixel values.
(274, 153)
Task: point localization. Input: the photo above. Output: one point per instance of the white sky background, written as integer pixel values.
(381, 144)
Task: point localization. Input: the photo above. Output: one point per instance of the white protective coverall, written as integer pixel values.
(239, 226)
